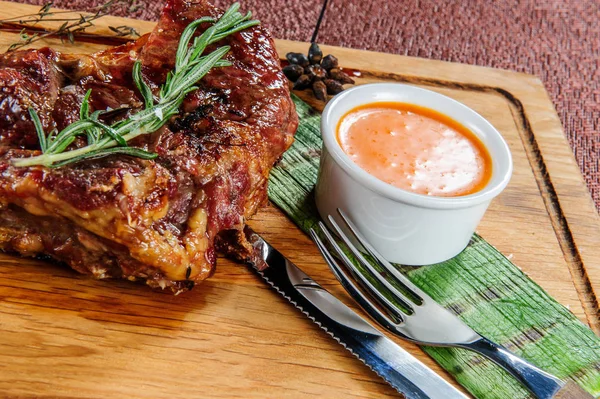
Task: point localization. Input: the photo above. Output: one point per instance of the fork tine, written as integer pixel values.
(381, 260)
(360, 277)
(399, 295)
(335, 269)
(348, 285)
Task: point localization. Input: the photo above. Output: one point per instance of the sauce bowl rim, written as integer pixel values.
(492, 189)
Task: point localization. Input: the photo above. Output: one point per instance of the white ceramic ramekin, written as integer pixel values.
(405, 227)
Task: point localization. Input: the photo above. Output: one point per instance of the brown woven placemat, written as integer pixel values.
(557, 40)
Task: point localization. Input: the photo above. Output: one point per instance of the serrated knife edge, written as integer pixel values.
(318, 323)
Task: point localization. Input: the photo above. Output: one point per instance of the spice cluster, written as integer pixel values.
(321, 74)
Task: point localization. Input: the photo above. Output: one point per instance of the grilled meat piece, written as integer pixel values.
(120, 216)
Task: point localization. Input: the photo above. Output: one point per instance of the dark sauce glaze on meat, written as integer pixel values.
(124, 217)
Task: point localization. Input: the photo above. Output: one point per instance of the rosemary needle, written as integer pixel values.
(102, 140)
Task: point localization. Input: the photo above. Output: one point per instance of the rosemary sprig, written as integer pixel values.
(102, 140)
(71, 26)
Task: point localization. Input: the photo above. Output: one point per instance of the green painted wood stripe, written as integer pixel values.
(483, 287)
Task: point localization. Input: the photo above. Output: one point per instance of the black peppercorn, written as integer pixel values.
(303, 82)
(316, 72)
(328, 62)
(320, 90)
(333, 86)
(322, 74)
(314, 54)
(293, 71)
(340, 76)
(297, 59)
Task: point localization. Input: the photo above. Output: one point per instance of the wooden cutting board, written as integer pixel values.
(67, 336)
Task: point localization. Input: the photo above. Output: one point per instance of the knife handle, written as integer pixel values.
(572, 391)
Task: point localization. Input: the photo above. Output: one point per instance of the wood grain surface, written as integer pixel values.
(68, 336)
(572, 391)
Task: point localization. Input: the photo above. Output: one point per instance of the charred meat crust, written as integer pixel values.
(124, 217)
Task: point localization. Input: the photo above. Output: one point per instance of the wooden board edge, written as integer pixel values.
(573, 213)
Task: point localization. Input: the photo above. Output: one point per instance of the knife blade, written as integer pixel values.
(397, 367)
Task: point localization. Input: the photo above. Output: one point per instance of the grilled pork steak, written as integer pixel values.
(119, 216)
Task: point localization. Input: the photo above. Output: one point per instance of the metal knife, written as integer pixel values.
(397, 367)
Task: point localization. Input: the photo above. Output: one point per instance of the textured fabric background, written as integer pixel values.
(559, 41)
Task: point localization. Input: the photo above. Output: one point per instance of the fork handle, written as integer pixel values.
(543, 385)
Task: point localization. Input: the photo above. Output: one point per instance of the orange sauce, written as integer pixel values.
(415, 148)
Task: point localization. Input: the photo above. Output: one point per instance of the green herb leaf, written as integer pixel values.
(94, 134)
(184, 41)
(114, 134)
(63, 144)
(84, 113)
(131, 151)
(84, 110)
(141, 84)
(39, 128)
(45, 8)
(74, 129)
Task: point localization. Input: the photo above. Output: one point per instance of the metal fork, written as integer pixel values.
(424, 321)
